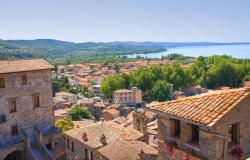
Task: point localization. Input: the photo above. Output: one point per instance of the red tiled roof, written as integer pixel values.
(205, 109)
(23, 65)
(126, 150)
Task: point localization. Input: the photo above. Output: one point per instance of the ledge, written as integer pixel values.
(12, 141)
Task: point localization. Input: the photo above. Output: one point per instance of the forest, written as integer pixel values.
(155, 81)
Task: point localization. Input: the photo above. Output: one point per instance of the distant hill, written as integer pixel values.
(52, 49)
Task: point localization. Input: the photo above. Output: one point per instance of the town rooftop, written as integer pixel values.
(204, 109)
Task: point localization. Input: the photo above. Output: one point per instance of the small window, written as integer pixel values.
(14, 130)
(3, 118)
(86, 152)
(177, 128)
(12, 105)
(72, 146)
(233, 131)
(195, 134)
(36, 101)
(91, 155)
(2, 84)
(24, 79)
(68, 143)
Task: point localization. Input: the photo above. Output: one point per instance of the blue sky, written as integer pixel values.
(126, 20)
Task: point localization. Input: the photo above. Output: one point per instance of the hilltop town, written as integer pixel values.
(75, 120)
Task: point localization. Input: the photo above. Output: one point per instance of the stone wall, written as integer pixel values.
(240, 115)
(26, 116)
(212, 143)
(79, 150)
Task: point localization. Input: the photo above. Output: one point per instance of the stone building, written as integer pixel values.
(212, 126)
(96, 109)
(84, 142)
(26, 116)
(110, 114)
(127, 97)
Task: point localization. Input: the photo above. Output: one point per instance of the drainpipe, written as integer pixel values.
(225, 145)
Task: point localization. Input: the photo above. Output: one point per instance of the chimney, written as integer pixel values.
(103, 139)
(84, 137)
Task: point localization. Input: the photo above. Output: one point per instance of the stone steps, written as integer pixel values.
(40, 154)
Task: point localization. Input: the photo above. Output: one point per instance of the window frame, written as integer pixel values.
(36, 100)
(234, 133)
(177, 129)
(72, 146)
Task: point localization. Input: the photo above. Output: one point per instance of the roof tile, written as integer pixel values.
(205, 109)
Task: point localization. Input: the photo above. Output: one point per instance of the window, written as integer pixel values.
(233, 131)
(2, 84)
(195, 134)
(86, 153)
(24, 79)
(68, 143)
(177, 128)
(14, 130)
(12, 105)
(72, 146)
(3, 119)
(91, 155)
(36, 101)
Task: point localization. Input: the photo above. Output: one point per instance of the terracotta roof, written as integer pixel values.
(100, 104)
(23, 65)
(126, 150)
(112, 111)
(111, 130)
(205, 109)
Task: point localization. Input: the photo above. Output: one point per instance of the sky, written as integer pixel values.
(126, 20)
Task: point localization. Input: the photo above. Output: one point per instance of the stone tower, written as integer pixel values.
(140, 123)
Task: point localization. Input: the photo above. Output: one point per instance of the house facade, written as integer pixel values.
(127, 97)
(212, 126)
(26, 115)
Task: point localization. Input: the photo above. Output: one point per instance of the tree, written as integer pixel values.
(78, 113)
(222, 74)
(246, 78)
(64, 124)
(160, 91)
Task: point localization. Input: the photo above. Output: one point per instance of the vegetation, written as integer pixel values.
(78, 113)
(64, 124)
(154, 81)
(62, 85)
(178, 57)
(68, 52)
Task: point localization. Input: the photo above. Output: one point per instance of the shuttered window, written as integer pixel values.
(14, 130)
(36, 101)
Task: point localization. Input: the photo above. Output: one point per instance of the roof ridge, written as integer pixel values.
(203, 109)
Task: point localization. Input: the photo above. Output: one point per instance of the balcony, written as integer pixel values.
(12, 141)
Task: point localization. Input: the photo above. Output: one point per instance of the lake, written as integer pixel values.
(237, 51)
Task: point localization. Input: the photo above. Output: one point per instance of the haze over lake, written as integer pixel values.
(237, 51)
